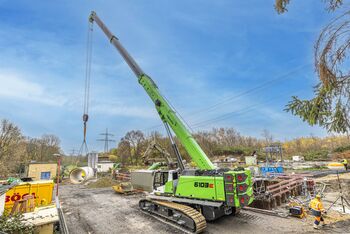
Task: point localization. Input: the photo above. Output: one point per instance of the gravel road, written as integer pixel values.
(101, 211)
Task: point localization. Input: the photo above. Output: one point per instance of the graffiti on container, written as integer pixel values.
(16, 197)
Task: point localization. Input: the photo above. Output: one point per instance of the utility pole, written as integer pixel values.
(73, 152)
(106, 139)
(58, 156)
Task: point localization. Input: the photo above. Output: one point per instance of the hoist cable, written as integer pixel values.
(88, 68)
(84, 148)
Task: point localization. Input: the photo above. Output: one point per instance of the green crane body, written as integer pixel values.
(231, 187)
(169, 116)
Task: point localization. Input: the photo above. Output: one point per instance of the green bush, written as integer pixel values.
(68, 169)
(341, 149)
(13, 224)
(55, 179)
(233, 151)
(316, 155)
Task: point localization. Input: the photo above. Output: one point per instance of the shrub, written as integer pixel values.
(341, 149)
(233, 151)
(316, 155)
(13, 224)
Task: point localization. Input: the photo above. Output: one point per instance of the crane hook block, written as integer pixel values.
(85, 117)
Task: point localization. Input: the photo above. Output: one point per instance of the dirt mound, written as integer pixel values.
(102, 183)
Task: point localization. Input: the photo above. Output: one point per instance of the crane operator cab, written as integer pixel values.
(165, 181)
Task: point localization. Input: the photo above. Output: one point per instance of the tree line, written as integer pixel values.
(220, 142)
(16, 150)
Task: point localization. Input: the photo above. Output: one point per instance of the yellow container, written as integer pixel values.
(42, 191)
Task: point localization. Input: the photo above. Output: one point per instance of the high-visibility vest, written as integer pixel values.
(316, 206)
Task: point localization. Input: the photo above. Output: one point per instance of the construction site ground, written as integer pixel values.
(101, 210)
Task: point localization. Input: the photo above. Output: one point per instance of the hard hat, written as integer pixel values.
(318, 196)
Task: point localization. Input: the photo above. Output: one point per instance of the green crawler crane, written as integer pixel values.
(186, 197)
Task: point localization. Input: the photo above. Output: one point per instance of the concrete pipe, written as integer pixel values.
(81, 174)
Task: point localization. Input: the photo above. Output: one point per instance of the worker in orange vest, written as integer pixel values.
(317, 210)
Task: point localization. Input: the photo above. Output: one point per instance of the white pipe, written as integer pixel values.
(81, 174)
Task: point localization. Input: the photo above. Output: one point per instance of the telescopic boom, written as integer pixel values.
(166, 113)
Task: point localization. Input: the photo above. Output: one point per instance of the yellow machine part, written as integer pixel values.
(298, 204)
(123, 187)
(42, 191)
(335, 164)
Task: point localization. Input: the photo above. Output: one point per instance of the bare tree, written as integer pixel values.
(17, 150)
(124, 151)
(267, 136)
(49, 145)
(33, 149)
(10, 147)
(10, 135)
(136, 140)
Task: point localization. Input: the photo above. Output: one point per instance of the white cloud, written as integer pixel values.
(15, 86)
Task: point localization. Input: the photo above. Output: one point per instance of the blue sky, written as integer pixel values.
(220, 63)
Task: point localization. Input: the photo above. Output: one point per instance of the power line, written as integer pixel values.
(228, 115)
(106, 140)
(239, 112)
(179, 115)
(244, 93)
(73, 152)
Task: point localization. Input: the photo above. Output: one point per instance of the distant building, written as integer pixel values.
(42, 171)
(298, 158)
(104, 166)
(103, 157)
